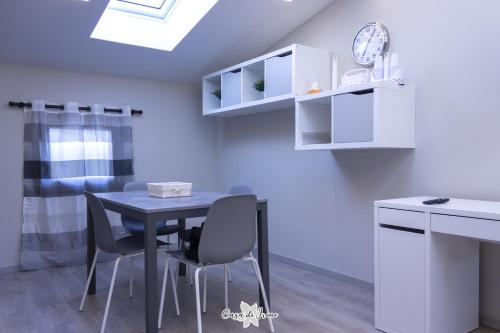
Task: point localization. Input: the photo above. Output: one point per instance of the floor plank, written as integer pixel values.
(48, 301)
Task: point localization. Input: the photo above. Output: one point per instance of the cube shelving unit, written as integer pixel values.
(367, 116)
(375, 115)
(287, 73)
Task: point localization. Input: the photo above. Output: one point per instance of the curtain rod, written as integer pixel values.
(61, 107)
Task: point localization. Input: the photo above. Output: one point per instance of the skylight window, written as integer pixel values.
(147, 3)
(158, 24)
(149, 8)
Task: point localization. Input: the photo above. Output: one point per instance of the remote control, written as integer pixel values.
(437, 201)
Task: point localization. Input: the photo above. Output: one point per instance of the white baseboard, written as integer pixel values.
(322, 271)
(9, 269)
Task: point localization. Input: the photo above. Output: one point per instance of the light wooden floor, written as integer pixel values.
(48, 300)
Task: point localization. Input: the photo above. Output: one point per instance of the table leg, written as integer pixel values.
(150, 276)
(90, 251)
(263, 251)
(182, 267)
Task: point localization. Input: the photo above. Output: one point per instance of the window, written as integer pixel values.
(157, 24)
(65, 144)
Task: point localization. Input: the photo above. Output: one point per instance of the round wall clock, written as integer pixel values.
(370, 41)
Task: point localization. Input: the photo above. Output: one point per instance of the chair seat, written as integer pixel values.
(180, 256)
(162, 229)
(132, 244)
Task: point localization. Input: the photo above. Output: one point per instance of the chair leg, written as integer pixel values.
(164, 286)
(197, 289)
(262, 289)
(204, 290)
(87, 285)
(190, 276)
(110, 294)
(174, 290)
(226, 275)
(230, 278)
(177, 273)
(131, 281)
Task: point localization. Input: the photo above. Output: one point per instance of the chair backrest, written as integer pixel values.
(241, 189)
(102, 227)
(135, 186)
(229, 230)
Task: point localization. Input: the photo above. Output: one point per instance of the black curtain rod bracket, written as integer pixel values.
(61, 107)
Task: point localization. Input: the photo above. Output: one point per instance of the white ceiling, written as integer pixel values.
(55, 33)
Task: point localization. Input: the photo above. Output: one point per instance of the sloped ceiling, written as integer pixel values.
(55, 33)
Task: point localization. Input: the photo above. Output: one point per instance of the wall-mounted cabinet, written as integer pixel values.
(369, 116)
(287, 73)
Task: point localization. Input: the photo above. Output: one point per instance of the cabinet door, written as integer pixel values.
(353, 117)
(401, 280)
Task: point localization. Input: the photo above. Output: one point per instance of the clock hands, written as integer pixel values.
(366, 47)
(369, 37)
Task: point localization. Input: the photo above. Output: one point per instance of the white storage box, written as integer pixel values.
(278, 76)
(231, 89)
(170, 189)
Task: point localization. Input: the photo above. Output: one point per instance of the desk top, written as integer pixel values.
(142, 202)
(459, 207)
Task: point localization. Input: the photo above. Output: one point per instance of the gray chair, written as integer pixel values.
(127, 247)
(241, 189)
(237, 189)
(229, 235)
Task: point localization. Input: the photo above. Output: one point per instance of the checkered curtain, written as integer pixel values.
(65, 153)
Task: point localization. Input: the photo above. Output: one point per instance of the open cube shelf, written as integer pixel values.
(374, 115)
(252, 74)
(287, 73)
(314, 122)
(210, 86)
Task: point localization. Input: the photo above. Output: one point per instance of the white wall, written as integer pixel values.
(321, 203)
(171, 139)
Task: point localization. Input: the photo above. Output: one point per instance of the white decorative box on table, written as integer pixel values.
(170, 189)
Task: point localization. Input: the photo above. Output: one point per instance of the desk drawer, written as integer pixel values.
(466, 226)
(401, 218)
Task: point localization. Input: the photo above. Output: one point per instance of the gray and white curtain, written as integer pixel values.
(65, 153)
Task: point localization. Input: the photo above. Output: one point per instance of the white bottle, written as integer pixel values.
(387, 66)
(334, 73)
(378, 69)
(394, 65)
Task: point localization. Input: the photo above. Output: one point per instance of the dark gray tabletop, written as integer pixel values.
(142, 202)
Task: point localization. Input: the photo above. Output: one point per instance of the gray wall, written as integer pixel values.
(321, 203)
(171, 140)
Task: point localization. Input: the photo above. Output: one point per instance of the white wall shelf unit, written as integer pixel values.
(287, 73)
(368, 116)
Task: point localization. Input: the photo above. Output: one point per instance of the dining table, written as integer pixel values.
(143, 207)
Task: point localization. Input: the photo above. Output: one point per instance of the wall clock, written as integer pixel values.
(370, 41)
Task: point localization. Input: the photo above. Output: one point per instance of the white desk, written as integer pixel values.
(427, 263)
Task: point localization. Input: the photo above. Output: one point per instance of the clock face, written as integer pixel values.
(370, 41)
